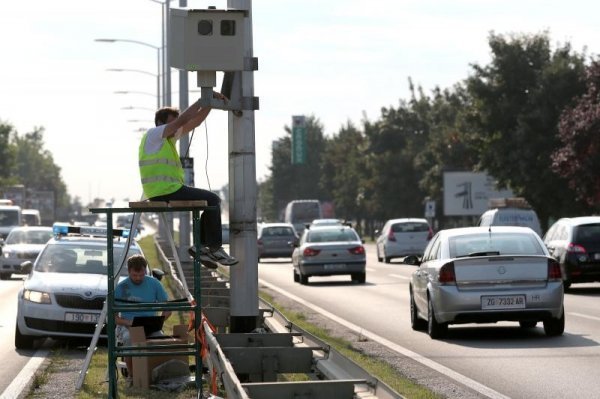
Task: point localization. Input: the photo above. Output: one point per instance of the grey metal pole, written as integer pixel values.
(242, 198)
(167, 67)
(157, 78)
(184, 217)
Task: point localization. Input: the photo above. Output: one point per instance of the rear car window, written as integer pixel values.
(277, 231)
(587, 233)
(504, 244)
(332, 235)
(409, 227)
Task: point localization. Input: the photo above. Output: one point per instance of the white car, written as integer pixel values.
(22, 244)
(402, 238)
(64, 293)
(486, 275)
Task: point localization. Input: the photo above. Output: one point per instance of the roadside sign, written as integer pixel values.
(429, 209)
(298, 139)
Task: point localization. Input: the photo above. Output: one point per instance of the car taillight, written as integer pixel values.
(430, 235)
(574, 248)
(357, 250)
(554, 272)
(446, 274)
(391, 236)
(311, 251)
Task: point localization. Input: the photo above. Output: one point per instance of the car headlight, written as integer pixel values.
(9, 254)
(37, 296)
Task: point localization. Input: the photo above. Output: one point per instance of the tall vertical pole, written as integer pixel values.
(242, 198)
(184, 217)
(167, 67)
(158, 78)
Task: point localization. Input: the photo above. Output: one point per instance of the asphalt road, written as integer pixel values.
(513, 362)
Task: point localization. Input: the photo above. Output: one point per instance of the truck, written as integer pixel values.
(302, 212)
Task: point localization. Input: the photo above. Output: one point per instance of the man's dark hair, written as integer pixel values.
(161, 116)
(136, 262)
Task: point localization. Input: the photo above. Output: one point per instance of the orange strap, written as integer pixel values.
(201, 336)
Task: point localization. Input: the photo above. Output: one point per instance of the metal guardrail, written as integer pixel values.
(258, 358)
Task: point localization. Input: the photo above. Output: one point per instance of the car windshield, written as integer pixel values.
(78, 258)
(9, 218)
(332, 235)
(494, 244)
(28, 237)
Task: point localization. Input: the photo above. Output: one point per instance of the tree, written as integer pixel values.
(7, 154)
(578, 159)
(516, 104)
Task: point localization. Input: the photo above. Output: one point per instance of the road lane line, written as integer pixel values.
(23, 378)
(584, 316)
(370, 270)
(399, 276)
(474, 385)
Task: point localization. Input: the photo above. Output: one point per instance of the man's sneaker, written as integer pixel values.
(203, 258)
(219, 255)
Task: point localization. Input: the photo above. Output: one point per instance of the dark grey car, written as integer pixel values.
(276, 240)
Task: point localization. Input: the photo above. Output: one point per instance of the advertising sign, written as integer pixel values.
(468, 193)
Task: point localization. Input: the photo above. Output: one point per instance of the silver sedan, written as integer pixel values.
(327, 251)
(486, 275)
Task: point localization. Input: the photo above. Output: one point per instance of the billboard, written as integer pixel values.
(467, 193)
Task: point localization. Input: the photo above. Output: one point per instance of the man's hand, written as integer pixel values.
(219, 96)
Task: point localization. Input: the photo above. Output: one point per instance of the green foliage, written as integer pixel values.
(578, 157)
(516, 103)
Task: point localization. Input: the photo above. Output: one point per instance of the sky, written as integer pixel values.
(341, 61)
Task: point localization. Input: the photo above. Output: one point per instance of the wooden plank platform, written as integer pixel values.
(165, 204)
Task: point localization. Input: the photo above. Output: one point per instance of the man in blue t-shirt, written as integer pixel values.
(138, 287)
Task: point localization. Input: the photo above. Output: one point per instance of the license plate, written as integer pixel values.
(503, 302)
(335, 266)
(82, 317)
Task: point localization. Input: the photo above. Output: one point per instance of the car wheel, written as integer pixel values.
(296, 278)
(434, 329)
(416, 323)
(528, 324)
(23, 341)
(566, 284)
(386, 258)
(303, 279)
(359, 278)
(379, 258)
(555, 327)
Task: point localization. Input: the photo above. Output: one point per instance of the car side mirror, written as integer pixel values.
(26, 267)
(412, 260)
(158, 274)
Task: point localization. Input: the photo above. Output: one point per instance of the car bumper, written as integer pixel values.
(392, 251)
(276, 253)
(331, 269)
(459, 306)
(50, 321)
(582, 272)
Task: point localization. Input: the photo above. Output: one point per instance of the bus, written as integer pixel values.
(301, 212)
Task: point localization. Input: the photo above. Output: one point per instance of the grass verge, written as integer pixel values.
(95, 384)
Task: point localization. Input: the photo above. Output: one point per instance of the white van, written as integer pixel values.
(31, 217)
(510, 212)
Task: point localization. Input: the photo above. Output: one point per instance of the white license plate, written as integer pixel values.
(82, 317)
(335, 266)
(503, 302)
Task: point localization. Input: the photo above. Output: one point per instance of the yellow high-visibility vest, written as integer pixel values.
(161, 172)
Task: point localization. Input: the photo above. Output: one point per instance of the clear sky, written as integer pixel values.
(338, 60)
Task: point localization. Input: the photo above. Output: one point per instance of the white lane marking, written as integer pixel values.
(21, 380)
(399, 276)
(584, 316)
(476, 386)
(370, 270)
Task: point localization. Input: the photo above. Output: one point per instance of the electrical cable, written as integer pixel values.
(187, 151)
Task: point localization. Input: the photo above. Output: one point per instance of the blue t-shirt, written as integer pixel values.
(150, 290)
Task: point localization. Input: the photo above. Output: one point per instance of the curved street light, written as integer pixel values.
(157, 48)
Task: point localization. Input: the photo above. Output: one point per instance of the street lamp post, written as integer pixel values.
(146, 73)
(157, 48)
